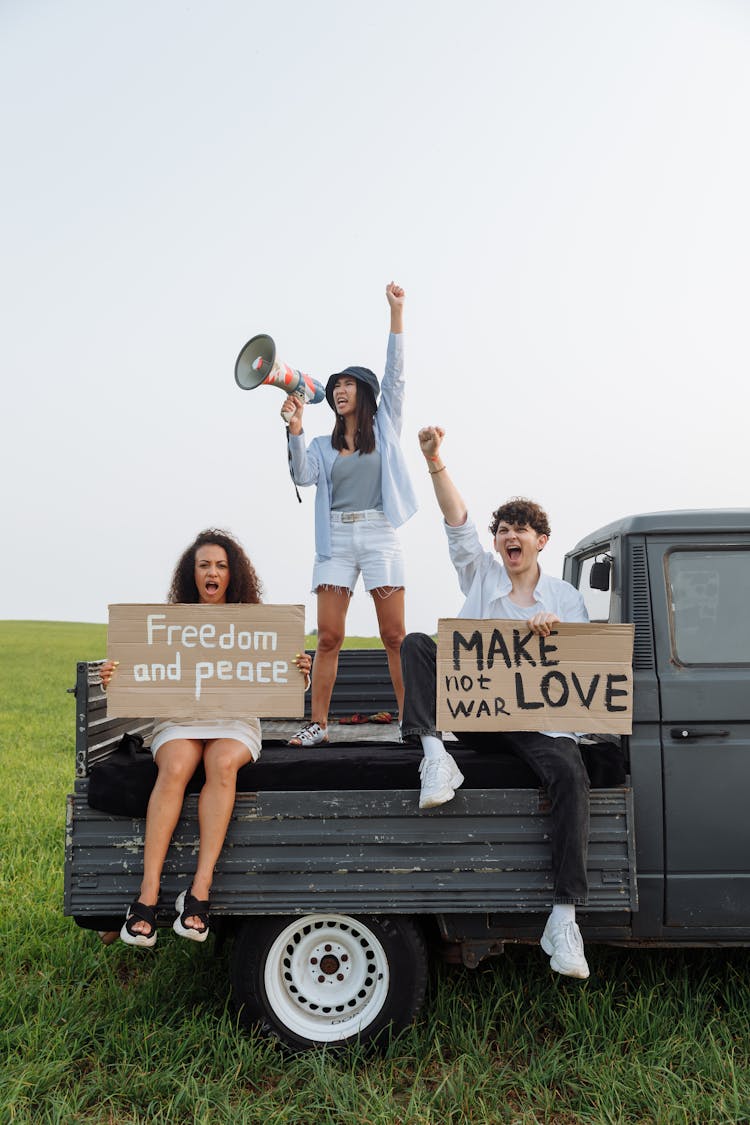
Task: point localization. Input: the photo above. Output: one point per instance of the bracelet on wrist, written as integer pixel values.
(434, 472)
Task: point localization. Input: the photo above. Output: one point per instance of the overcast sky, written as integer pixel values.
(561, 186)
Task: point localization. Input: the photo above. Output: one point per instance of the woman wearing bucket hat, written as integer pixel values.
(363, 493)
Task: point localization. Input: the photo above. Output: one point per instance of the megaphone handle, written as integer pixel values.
(288, 415)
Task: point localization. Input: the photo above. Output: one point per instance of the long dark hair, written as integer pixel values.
(364, 436)
(244, 585)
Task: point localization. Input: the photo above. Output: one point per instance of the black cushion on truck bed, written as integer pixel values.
(121, 785)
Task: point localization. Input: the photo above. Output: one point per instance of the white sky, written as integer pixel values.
(561, 186)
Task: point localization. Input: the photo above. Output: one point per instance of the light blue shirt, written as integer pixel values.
(313, 464)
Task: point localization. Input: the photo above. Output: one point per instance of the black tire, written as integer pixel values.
(328, 978)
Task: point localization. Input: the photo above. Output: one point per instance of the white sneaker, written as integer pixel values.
(311, 735)
(441, 777)
(564, 946)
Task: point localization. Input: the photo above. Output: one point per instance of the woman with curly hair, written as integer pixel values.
(213, 570)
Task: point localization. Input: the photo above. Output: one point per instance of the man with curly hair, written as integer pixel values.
(506, 583)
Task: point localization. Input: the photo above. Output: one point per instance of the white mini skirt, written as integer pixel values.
(246, 731)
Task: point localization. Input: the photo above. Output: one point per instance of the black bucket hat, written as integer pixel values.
(361, 374)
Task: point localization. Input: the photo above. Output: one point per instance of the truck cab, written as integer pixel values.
(683, 579)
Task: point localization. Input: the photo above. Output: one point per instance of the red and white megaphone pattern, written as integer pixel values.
(257, 366)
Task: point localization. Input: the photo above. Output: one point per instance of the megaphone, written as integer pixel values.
(257, 366)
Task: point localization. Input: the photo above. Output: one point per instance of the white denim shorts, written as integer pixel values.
(361, 543)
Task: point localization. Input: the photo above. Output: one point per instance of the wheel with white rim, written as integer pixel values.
(328, 978)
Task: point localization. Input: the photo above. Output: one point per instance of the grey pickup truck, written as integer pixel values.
(332, 885)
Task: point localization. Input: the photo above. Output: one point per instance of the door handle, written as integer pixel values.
(687, 733)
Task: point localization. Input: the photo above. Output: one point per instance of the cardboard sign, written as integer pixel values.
(497, 675)
(206, 661)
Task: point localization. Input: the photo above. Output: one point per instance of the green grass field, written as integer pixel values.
(109, 1034)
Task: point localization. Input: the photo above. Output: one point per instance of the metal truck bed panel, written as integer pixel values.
(289, 853)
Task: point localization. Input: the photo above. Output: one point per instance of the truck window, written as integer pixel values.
(597, 601)
(710, 605)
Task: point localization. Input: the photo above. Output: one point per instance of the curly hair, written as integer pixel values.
(364, 440)
(522, 513)
(244, 585)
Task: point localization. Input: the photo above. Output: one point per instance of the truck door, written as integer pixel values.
(700, 587)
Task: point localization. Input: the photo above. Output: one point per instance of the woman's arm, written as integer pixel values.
(395, 296)
(304, 462)
(393, 387)
(292, 412)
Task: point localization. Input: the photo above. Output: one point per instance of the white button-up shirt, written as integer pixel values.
(485, 583)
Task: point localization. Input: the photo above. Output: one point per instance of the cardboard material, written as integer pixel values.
(203, 661)
(496, 675)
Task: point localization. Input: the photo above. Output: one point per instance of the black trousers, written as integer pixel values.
(556, 762)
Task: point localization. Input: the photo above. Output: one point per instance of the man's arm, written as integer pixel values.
(448, 497)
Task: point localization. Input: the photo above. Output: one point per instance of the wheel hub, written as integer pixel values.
(329, 964)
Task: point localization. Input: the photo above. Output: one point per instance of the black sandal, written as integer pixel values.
(139, 912)
(187, 906)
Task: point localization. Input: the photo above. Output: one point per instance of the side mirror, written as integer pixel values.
(600, 572)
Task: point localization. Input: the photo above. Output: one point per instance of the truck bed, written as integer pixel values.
(338, 828)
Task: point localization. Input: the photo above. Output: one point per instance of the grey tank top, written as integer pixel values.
(355, 483)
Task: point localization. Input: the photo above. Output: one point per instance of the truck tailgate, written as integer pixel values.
(372, 851)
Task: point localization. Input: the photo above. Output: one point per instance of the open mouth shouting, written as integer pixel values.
(345, 394)
(518, 546)
(211, 574)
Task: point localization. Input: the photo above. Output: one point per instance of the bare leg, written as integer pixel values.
(222, 758)
(389, 606)
(176, 761)
(333, 604)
